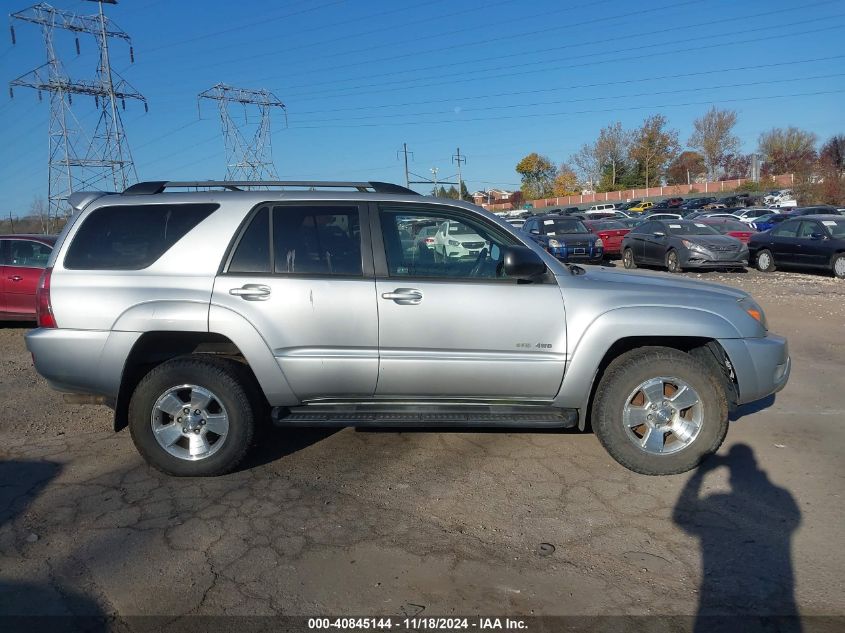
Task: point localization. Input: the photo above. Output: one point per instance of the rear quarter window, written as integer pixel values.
(132, 237)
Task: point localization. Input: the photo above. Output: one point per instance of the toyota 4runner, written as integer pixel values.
(200, 311)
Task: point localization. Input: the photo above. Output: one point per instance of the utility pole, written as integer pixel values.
(434, 171)
(76, 160)
(405, 151)
(457, 158)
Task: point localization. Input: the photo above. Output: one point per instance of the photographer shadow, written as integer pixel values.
(746, 547)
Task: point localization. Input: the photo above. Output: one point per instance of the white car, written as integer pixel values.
(750, 214)
(516, 222)
(663, 216)
(455, 240)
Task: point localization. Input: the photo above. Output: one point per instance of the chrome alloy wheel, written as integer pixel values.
(663, 415)
(189, 422)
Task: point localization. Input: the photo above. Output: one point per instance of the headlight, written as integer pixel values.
(454, 243)
(554, 243)
(695, 247)
(599, 243)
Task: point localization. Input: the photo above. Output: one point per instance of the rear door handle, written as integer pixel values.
(252, 292)
(404, 296)
(16, 278)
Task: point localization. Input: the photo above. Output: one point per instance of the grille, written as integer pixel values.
(472, 244)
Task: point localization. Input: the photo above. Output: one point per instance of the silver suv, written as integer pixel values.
(200, 315)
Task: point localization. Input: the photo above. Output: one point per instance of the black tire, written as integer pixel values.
(837, 265)
(232, 385)
(629, 371)
(673, 262)
(768, 263)
(628, 260)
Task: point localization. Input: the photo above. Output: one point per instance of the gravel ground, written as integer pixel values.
(437, 523)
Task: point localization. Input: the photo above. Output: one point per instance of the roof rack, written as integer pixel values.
(158, 186)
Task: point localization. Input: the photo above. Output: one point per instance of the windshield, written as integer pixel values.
(459, 227)
(689, 228)
(557, 227)
(729, 225)
(607, 226)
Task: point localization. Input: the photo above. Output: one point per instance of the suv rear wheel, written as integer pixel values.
(659, 411)
(193, 416)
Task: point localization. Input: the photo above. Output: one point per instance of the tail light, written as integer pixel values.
(43, 309)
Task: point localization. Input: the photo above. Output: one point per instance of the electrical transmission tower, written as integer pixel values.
(78, 160)
(247, 158)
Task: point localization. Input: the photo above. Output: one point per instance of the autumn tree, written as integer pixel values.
(566, 181)
(653, 146)
(538, 174)
(787, 151)
(735, 166)
(832, 155)
(587, 165)
(713, 136)
(685, 168)
(611, 150)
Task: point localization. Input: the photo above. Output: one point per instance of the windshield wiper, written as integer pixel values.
(575, 269)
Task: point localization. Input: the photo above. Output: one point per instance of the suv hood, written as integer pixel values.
(671, 289)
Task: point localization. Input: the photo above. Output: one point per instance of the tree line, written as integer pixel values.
(651, 155)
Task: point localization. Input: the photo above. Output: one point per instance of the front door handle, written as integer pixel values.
(252, 292)
(16, 278)
(404, 296)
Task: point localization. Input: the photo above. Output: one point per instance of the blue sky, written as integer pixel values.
(498, 78)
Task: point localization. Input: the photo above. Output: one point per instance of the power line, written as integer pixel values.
(345, 24)
(570, 45)
(389, 86)
(652, 106)
(589, 98)
(264, 20)
(488, 96)
(355, 91)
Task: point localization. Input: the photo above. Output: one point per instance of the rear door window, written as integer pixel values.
(28, 253)
(306, 240)
(132, 237)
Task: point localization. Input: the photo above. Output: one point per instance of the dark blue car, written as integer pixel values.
(566, 238)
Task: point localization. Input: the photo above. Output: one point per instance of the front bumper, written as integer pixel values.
(699, 260)
(761, 365)
(81, 361)
(590, 255)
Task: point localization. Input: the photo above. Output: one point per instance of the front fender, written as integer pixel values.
(652, 322)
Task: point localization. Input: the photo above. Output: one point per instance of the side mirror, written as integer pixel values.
(522, 263)
(817, 236)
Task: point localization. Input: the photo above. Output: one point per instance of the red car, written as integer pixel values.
(726, 226)
(22, 260)
(611, 233)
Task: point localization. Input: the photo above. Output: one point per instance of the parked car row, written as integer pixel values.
(704, 240)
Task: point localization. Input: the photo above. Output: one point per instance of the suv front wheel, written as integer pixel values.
(192, 416)
(659, 411)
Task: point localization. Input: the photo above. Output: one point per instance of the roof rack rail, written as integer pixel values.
(158, 186)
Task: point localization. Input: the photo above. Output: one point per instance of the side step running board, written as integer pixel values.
(321, 415)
